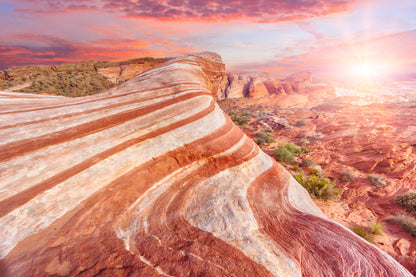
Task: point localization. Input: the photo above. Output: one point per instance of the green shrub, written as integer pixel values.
(284, 155)
(264, 137)
(376, 228)
(286, 152)
(239, 119)
(408, 201)
(320, 187)
(377, 180)
(364, 233)
(314, 171)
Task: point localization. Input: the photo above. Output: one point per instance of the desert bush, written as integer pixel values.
(376, 228)
(346, 176)
(320, 187)
(240, 120)
(407, 223)
(408, 201)
(315, 171)
(377, 180)
(264, 137)
(308, 163)
(283, 155)
(364, 233)
(286, 152)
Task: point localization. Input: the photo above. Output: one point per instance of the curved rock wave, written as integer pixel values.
(151, 178)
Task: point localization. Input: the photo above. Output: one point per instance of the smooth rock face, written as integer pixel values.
(151, 178)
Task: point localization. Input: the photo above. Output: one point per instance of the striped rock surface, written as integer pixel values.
(152, 179)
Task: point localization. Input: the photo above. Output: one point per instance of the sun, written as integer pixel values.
(365, 70)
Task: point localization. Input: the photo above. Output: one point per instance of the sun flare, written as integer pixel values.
(367, 70)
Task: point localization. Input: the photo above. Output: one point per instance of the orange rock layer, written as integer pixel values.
(151, 178)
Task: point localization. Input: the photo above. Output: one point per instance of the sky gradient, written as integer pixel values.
(330, 38)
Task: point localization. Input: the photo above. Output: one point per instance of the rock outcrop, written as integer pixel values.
(297, 80)
(259, 85)
(151, 178)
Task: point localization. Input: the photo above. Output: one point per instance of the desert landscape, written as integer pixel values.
(208, 138)
(150, 177)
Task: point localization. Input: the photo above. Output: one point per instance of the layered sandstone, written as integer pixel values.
(151, 178)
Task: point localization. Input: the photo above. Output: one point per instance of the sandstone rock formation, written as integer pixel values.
(296, 80)
(265, 85)
(152, 179)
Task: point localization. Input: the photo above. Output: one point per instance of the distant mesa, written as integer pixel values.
(151, 178)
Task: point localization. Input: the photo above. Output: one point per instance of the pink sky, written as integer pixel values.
(329, 38)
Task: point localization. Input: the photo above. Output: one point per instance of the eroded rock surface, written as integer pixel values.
(152, 179)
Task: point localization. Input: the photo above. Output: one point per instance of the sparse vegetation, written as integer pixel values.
(377, 180)
(408, 201)
(374, 229)
(286, 152)
(264, 137)
(364, 233)
(318, 186)
(61, 83)
(240, 120)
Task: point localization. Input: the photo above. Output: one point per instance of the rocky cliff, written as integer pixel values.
(295, 90)
(151, 178)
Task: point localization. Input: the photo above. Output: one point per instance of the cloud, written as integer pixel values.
(211, 10)
(44, 49)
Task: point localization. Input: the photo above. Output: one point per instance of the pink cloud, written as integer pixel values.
(43, 49)
(212, 10)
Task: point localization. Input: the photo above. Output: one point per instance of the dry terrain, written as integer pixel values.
(152, 178)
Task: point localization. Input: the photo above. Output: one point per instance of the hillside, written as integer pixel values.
(74, 80)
